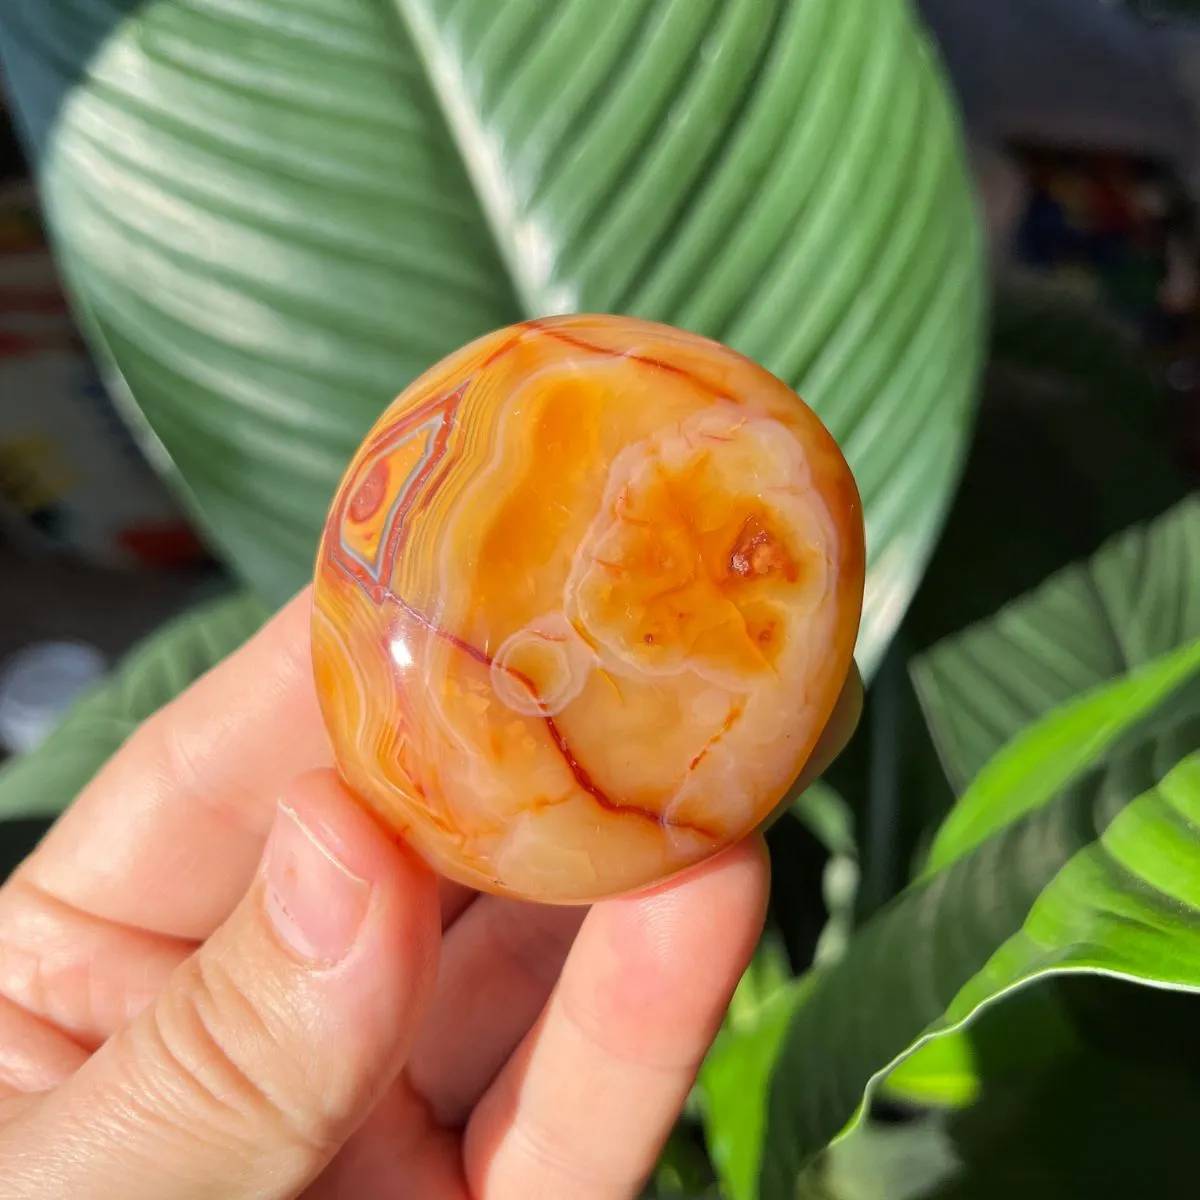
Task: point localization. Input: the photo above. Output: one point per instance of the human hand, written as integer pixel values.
(185, 1014)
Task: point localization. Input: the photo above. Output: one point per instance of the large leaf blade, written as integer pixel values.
(244, 193)
(1090, 623)
(1101, 877)
(273, 215)
(1084, 1123)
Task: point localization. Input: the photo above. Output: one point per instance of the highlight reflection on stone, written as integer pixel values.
(584, 602)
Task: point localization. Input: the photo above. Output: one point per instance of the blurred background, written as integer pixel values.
(1079, 419)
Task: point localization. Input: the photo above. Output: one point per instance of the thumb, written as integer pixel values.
(271, 1044)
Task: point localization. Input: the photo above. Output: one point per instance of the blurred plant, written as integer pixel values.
(272, 217)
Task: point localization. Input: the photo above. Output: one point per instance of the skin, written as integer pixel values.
(179, 1017)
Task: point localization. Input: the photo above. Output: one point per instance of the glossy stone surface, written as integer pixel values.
(585, 600)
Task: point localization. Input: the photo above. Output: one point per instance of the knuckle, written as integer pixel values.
(176, 762)
(561, 1159)
(535, 941)
(179, 757)
(42, 969)
(23, 971)
(218, 1071)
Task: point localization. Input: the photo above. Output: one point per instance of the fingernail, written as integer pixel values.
(315, 903)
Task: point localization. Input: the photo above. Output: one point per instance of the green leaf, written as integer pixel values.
(880, 1162)
(1102, 1109)
(1084, 1125)
(941, 1074)
(1031, 1029)
(1030, 770)
(273, 215)
(683, 1170)
(732, 1088)
(733, 1085)
(828, 817)
(1092, 622)
(43, 783)
(1100, 877)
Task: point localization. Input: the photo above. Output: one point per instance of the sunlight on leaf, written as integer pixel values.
(273, 216)
(1099, 877)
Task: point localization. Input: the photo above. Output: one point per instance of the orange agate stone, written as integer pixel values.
(584, 603)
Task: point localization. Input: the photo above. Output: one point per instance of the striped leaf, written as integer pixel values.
(1098, 874)
(1084, 1125)
(1090, 623)
(275, 213)
(733, 1084)
(732, 1087)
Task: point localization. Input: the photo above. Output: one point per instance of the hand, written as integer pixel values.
(184, 1013)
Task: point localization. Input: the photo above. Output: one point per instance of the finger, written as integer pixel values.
(80, 975)
(400, 1153)
(498, 968)
(33, 1057)
(269, 1046)
(167, 837)
(584, 1106)
(85, 977)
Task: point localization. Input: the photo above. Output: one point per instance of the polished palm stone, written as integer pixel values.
(584, 602)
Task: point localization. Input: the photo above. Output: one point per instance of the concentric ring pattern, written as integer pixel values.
(276, 213)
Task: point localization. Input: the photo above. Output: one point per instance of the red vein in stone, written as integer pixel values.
(581, 775)
(505, 346)
(731, 719)
(660, 364)
(380, 593)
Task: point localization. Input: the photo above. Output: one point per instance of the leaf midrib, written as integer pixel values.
(465, 129)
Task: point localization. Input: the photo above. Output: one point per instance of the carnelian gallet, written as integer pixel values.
(584, 603)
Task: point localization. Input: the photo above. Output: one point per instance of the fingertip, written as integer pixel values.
(718, 899)
(721, 902)
(323, 803)
(658, 968)
(746, 865)
(404, 905)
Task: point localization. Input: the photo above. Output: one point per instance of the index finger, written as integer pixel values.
(585, 1104)
(169, 832)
